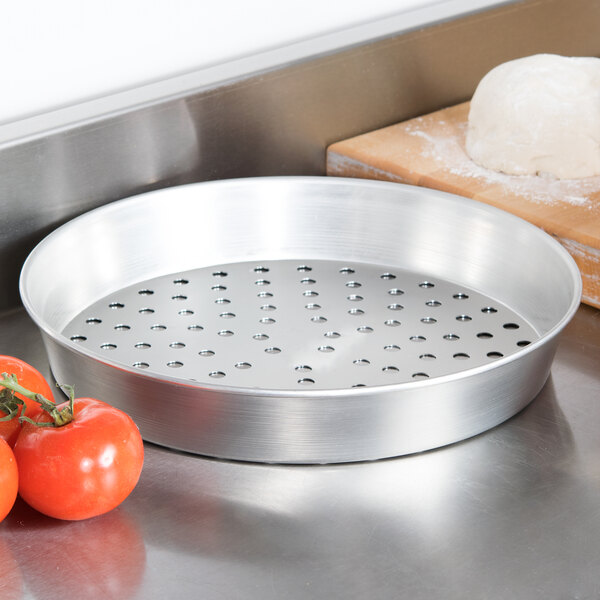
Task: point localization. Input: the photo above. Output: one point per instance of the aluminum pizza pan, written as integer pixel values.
(302, 319)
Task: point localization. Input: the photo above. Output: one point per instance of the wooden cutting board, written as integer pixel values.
(429, 151)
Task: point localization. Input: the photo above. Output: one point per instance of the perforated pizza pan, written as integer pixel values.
(302, 320)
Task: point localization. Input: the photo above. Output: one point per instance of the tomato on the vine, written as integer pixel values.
(10, 409)
(78, 459)
(9, 479)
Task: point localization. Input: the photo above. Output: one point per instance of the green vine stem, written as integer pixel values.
(10, 405)
(59, 417)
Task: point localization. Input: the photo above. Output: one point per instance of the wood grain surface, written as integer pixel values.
(429, 151)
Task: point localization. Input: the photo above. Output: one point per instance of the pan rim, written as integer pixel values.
(57, 337)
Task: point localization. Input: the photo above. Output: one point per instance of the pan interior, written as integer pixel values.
(300, 324)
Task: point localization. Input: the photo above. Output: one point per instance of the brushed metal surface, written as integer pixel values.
(510, 514)
(272, 117)
(292, 324)
(305, 218)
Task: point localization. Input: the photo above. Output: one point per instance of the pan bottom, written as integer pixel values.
(299, 324)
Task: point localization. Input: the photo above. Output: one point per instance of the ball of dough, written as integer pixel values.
(538, 115)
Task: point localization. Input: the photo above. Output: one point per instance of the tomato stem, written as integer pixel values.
(59, 417)
(10, 405)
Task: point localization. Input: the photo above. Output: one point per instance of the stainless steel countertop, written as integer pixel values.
(513, 513)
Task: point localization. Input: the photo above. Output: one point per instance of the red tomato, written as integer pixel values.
(9, 430)
(84, 468)
(9, 479)
(29, 377)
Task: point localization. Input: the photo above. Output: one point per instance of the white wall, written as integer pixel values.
(63, 52)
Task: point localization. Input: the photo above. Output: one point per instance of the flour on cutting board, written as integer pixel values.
(448, 150)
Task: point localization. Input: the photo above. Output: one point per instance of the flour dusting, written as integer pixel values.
(448, 150)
